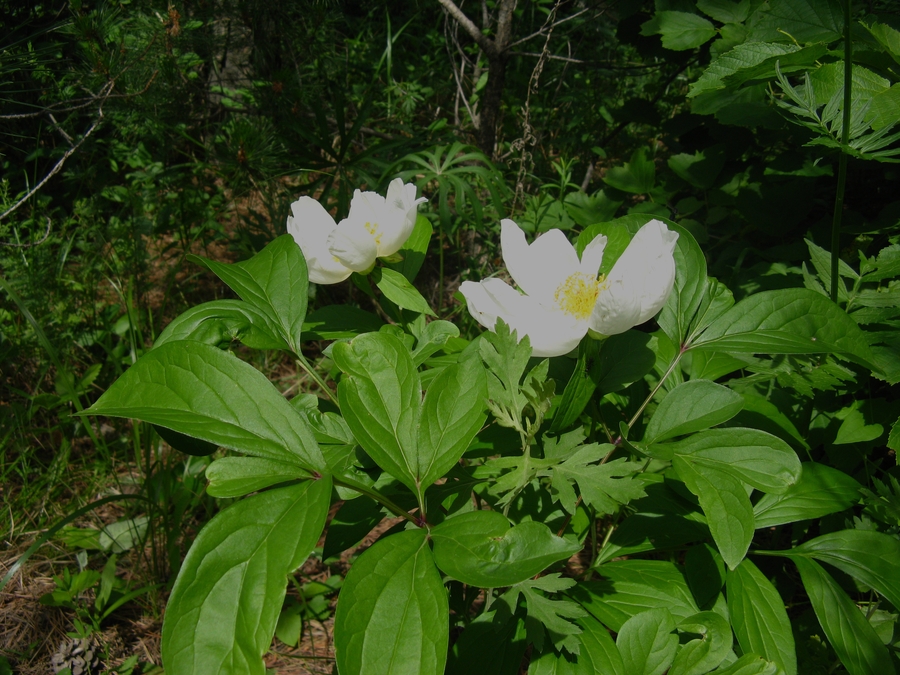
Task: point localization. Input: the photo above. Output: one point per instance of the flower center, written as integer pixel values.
(373, 229)
(578, 294)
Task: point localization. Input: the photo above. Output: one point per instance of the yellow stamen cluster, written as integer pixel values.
(372, 228)
(578, 294)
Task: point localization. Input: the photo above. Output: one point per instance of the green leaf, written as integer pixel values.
(597, 654)
(633, 586)
(220, 322)
(872, 558)
(414, 250)
(381, 398)
(750, 664)
(725, 11)
(275, 281)
(701, 168)
(647, 643)
(617, 239)
(392, 613)
(723, 499)
(788, 321)
(758, 617)
(432, 338)
(679, 30)
(546, 616)
(762, 414)
(481, 549)
(238, 476)
(587, 210)
(352, 522)
(452, 413)
(637, 176)
(336, 322)
(802, 21)
(206, 393)
(820, 490)
(853, 638)
(489, 644)
(400, 291)
(749, 455)
(702, 655)
(227, 598)
(690, 289)
(604, 487)
(184, 443)
(692, 406)
(704, 570)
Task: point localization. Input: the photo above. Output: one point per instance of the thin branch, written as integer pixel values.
(549, 28)
(32, 244)
(549, 56)
(483, 41)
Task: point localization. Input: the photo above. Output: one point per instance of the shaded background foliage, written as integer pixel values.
(164, 129)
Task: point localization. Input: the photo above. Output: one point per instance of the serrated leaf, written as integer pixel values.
(637, 176)
(605, 487)
(206, 393)
(788, 321)
(679, 30)
(758, 616)
(723, 499)
(820, 490)
(238, 476)
(692, 406)
(725, 11)
(227, 598)
(392, 613)
(743, 57)
(597, 654)
(852, 637)
(802, 21)
(481, 549)
(647, 643)
(275, 281)
(400, 291)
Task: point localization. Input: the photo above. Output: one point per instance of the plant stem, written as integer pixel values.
(842, 164)
(659, 384)
(304, 364)
(377, 496)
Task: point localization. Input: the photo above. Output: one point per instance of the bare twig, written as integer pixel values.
(32, 244)
(474, 32)
(548, 28)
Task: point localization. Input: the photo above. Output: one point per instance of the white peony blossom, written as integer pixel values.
(375, 227)
(564, 297)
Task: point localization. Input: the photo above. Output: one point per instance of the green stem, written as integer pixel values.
(309, 370)
(377, 496)
(842, 165)
(656, 389)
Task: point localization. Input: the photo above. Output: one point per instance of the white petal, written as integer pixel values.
(592, 256)
(351, 243)
(399, 220)
(540, 268)
(551, 333)
(618, 308)
(648, 265)
(310, 224)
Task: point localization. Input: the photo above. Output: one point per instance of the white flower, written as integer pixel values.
(375, 227)
(563, 296)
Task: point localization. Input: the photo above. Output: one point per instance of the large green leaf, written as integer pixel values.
(381, 399)
(759, 459)
(597, 654)
(705, 653)
(742, 58)
(481, 549)
(679, 30)
(392, 614)
(692, 406)
(852, 636)
(238, 476)
(275, 281)
(209, 394)
(225, 603)
(758, 617)
(750, 664)
(637, 176)
(819, 491)
(873, 558)
(723, 499)
(690, 290)
(415, 249)
(647, 642)
(452, 413)
(802, 21)
(222, 321)
(489, 644)
(633, 586)
(335, 322)
(786, 321)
